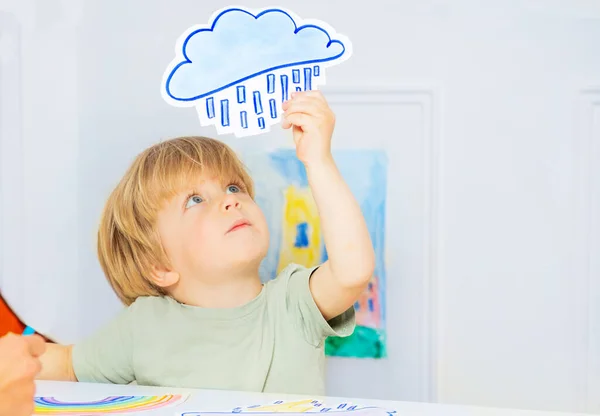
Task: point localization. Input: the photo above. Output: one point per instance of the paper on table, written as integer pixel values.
(299, 408)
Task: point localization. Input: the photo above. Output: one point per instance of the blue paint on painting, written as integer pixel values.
(289, 167)
(301, 235)
(324, 256)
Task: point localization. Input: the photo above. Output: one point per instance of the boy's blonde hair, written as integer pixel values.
(129, 245)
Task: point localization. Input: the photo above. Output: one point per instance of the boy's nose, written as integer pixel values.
(231, 201)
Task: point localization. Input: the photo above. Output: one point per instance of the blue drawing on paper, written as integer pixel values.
(301, 407)
(239, 68)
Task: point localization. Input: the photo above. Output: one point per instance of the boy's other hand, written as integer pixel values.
(313, 123)
(19, 365)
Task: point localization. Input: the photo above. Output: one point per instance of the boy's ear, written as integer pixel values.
(162, 277)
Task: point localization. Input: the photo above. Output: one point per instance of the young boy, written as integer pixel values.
(181, 240)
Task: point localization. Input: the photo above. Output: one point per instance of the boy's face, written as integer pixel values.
(213, 231)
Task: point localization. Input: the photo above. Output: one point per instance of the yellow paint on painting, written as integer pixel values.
(300, 208)
(286, 407)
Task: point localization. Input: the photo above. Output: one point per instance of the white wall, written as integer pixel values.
(39, 150)
(492, 124)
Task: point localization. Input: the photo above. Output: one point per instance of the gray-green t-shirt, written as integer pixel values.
(274, 343)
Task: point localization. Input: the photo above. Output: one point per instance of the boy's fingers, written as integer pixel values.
(307, 98)
(310, 93)
(306, 105)
(298, 119)
(301, 107)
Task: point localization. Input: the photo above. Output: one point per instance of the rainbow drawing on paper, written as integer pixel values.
(105, 406)
(283, 193)
(300, 408)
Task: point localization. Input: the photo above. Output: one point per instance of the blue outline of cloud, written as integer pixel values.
(297, 29)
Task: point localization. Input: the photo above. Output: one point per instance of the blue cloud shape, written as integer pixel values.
(240, 45)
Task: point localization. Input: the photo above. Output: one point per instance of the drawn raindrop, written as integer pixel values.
(235, 112)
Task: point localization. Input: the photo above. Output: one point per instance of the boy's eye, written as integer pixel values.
(233, 189)
(193, 201)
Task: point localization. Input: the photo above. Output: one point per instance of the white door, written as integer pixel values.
(490, 116)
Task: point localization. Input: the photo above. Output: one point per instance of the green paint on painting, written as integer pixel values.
(365, 342)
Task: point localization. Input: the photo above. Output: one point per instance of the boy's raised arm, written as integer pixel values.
(338, 283)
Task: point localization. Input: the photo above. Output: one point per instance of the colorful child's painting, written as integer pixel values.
(106, 406)
(284, 195)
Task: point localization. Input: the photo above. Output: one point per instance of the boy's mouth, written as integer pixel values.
(239, 224)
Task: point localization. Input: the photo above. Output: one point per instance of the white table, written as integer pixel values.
(218, 401)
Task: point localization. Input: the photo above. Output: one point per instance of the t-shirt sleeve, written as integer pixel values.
(106, 356)
(304, 311)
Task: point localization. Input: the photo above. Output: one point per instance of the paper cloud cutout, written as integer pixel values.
(240, 68)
